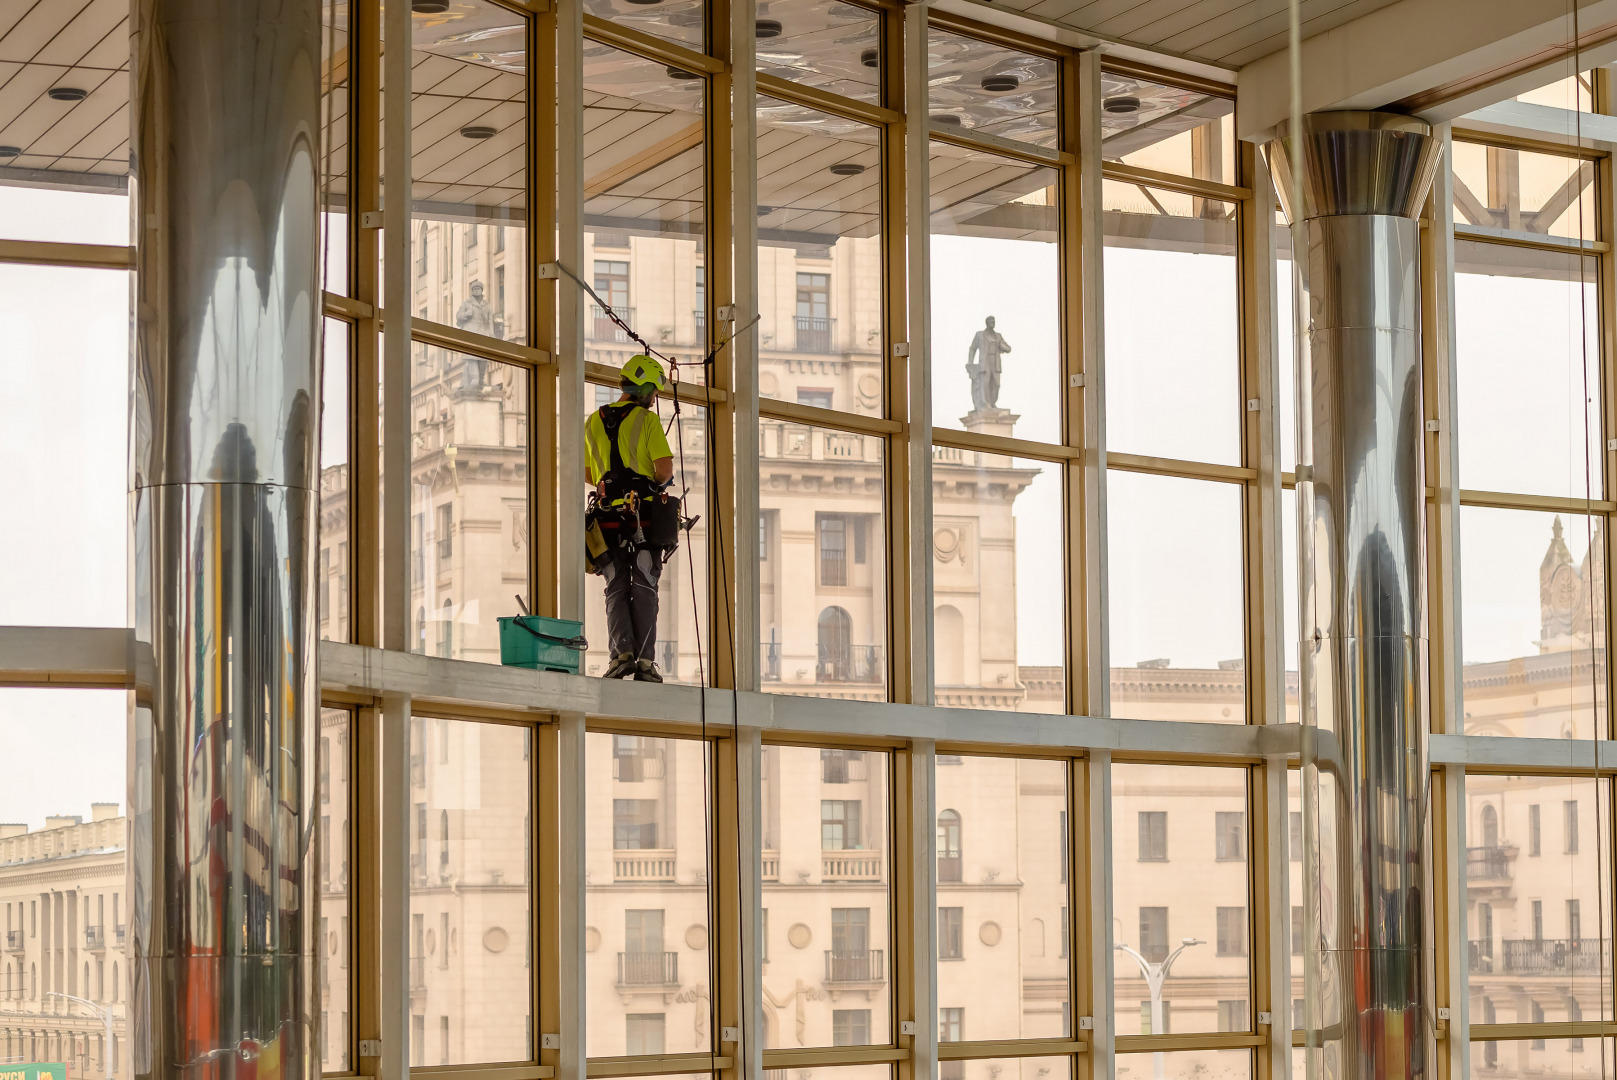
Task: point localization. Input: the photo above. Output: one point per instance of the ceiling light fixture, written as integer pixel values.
(479, 131)
(870, 58)
(1121, 104)
(1000, 84)
(9, 152)
(429, 7)
(768, 28)
(681, 74)
(67, 93)
(846, 168)
(946, 119)
(645, 3)
(765, 211)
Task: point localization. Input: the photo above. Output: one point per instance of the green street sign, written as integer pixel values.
(54, 1070)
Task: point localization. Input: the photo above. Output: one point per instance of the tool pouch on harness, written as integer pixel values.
(633, 513)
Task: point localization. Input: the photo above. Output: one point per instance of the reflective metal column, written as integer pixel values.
(223, 506)
(1361, 503)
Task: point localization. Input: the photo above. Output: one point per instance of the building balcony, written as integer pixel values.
(700, 318)
(648, 764)
(418, 974)
(850, 664)
(95, 938)
(949, 870)
(771, 865)
(851, 865)
(643, 865)
(602, 328)
(14, 941)
(843, 766)
(854, 966)
(1480, 955)
(118, 934)
(648, 969)
(1489, 863)
(815, 334)
(1551, 956)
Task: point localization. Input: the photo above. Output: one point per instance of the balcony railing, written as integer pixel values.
(949, 869)
(854, 966)
(418, 973)
(650, 764)
(1489, 863)
(1544, 956)
(843, 766)
(648, 969)
(14, 940)
(771, 862)
(1480, 954)
(814, 333)
(771, 661)
(833, 566)
(643, 865)
(118, 931)
(851, 663)
(95, 938)
(850, 865)
(603, 328)
(700, 317)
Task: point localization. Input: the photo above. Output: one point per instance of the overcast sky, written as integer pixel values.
(1175, 544)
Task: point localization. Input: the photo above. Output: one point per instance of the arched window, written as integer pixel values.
(948, 846)
(446, 631)
(949, 646)
(443, 839)
(1490, 826)
(836, 645)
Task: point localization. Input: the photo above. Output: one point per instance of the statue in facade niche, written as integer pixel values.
(984, 367)
(475, 315)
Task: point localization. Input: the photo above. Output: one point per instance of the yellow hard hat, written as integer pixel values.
(645, 373)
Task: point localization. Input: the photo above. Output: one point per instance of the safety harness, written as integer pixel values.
(636, 512)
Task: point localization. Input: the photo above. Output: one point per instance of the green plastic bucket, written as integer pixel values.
(534, 641)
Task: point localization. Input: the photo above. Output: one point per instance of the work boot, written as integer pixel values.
(646, 671)
(621, 668)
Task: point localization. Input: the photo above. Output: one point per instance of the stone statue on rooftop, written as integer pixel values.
(983, 366)
(475, 315)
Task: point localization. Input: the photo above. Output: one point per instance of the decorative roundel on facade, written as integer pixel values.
(946, 542)
(989, 933)
(495, 939)
(800, 936)
(696, 936)
(768, 383)
(869, 389)
(592, 939)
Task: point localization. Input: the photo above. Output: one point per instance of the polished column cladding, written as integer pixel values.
(1360, 498)
(223, 501)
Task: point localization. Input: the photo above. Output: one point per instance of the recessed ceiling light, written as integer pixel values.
(67, 93)
(479, 131)
(765, 211)
(681, 73)
(645, 3)
(945, 118)
(429, 7)
(1121, 104)
(870, 58)
(768, 28)
(9, 152)
(846, 168)
(1000, 84)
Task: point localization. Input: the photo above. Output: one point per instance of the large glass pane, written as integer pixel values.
(333, 578)
(676, 20)
(65, 399)
(822, 543)
(333, 946)
(825, 44)
(1527, 1059)
(69, 217)
(1286, 402)
(998, 582)
(1291, 602)
(468, 501)
(1532, 623)
(979, 88)
(334, 119)
(1183, 953)
(469, 168)
(1003, 971)
(647, 963)
(1572, 92)
(644, 209)
(1538, 898)
(64, 905)
(1188, 1065)
(471, 963)
(1173, 385)
(1176, 607)
(1520, 191)
(1028, 1068)
(995, 284)
(819, 258)
(1167, 128)
(685, 628)
(1528, 370)
(827, 899)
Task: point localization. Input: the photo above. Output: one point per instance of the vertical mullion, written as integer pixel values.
(364, 373)
(730, 31)
(1071, 224)
(1442, 458)
(561, 817)
(911, 303)
(738, 899)
(393, 864)
(364, 769)
(1097, 939)
(915, 906)
(543, 488)
(1265, 588)
(396, 437)
(1271, 921)
(1091, 483)
(1455, 1049)
(896, 491)
(569, 354)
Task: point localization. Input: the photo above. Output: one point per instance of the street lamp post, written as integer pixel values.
(106, 1019)
(1155, 975)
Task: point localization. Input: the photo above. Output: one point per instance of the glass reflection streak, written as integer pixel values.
(1360, 494)
(223, 501)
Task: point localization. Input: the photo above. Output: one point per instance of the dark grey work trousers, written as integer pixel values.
(631, 602)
